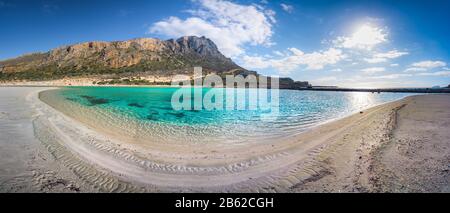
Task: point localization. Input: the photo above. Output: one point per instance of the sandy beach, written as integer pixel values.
(403, 146)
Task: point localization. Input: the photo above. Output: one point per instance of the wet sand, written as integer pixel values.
(402, 146)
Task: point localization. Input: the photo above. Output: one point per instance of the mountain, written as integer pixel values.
(137, 55)
(126, 62)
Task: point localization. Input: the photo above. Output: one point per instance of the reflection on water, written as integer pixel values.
(146, 114)
(362, 100)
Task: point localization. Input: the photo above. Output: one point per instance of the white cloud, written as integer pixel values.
(229, 25)
(441, 73)
(391, 76)
(383, 57)
(296, 58)
(394, 65)
(402, 75)
(366, 37)
(429, 64)
(415, 69)
(373, 70)
(271, 15)
(325, 80)
(336, 70)
(287, 8)
(391, 54)
(375, 60)
(278, 53)
(385, 81)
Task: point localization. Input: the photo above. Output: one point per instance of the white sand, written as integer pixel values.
(25, 166)
(345, 155)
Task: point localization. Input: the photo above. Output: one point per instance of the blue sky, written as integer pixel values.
(344, 43)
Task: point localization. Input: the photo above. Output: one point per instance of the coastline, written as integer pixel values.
(59, 85)
(166, 82)
(337, 156)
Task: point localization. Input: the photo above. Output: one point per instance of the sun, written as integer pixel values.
(368, 35)
(365, 36)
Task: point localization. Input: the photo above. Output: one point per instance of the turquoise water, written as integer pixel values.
(146, 114)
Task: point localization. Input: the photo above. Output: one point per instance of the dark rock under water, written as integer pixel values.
(153, 115)
(137, 105)
(177, 115)
(95, 101)
(71, 99)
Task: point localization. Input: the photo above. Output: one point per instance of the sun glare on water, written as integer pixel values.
(361, 100)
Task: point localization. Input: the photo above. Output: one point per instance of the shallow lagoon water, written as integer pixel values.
(146, 114)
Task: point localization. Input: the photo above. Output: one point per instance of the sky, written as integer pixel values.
(365, 44)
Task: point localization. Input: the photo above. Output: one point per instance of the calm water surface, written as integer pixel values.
(146, 114)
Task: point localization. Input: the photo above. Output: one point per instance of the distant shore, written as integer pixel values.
(166, 83)
(88, 81)
(377, 150)
(394, 90)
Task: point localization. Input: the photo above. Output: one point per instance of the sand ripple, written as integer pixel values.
(271, 166)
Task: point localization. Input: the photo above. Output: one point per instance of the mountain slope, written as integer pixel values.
(132, 56)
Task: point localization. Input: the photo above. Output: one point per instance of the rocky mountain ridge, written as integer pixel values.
(136, 55)
(138, 61)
